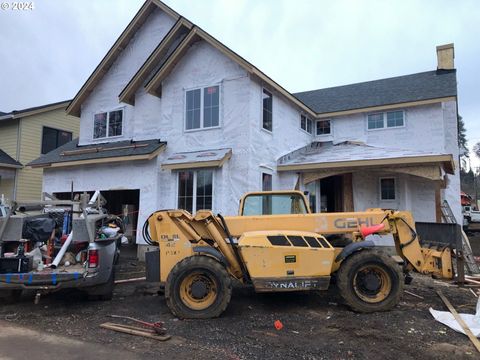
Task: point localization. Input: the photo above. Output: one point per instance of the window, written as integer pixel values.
(394, 118)
(274, 204)
(375, 121)
(107, 124)
(267, 110)
(388, 119)
(202, 108)
(387, 189)
(53, 138)
(306, 124)
(266, 182)
(195, 190)
(324, 127)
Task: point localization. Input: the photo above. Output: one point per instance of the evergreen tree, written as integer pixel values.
(462, 142)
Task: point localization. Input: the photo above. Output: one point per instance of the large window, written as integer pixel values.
(267, 110)
(195, 190)
(387, 189)
(389, 119)
(202, 108)
(53, 138)
(306, 124)
(107, 124)
(324, 127)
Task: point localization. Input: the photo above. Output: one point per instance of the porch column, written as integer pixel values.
(347, 192)
(438, 202)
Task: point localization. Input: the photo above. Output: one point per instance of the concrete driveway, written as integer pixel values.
(21, 343)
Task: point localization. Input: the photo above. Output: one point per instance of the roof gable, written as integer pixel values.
(153, 86)
(161, 53)
(139, 19)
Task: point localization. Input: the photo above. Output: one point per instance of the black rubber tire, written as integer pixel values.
(349, 268)
(103, 292)
(209, 267)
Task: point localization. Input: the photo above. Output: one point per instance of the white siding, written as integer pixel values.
(105, 95)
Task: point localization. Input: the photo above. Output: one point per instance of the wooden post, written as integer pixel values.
(347, 192)
(460, 321)
(438, 203)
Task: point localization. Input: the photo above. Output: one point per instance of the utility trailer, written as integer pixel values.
(55, 244)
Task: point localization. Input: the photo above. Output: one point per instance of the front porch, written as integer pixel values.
(354, 176)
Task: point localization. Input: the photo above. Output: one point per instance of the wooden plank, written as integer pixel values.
(128, 330)
(123, 281)
(414, 295)
(459, 319)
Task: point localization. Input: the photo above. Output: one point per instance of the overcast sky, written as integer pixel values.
(46, 54)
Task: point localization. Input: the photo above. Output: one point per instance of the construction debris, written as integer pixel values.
(123, 281)
(132, 330)
(157, 327)
(414, 295)
(464, 323)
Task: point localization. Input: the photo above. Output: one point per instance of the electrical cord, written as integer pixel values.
(146, 232)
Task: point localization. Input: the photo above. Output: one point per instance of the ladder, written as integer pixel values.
(447, 213)
(449, 218)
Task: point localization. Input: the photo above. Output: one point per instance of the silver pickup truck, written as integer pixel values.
(51, 245)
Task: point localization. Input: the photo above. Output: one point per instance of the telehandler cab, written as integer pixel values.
(276, 244)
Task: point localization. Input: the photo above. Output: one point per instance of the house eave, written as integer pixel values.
(147, 8)
(10, 166)
(128, 93)
(445, 160)
(385, 107)
(110, 160)
(198, 164)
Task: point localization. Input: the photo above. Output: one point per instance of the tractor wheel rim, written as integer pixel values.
(372, 283)
(198, 290)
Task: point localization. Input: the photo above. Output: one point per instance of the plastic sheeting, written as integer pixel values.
(446, 318)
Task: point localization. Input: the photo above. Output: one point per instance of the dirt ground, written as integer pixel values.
(316, 325)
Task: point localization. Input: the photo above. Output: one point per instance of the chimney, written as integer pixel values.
(445, 56)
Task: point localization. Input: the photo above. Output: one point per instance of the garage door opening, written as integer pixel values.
(123, 203)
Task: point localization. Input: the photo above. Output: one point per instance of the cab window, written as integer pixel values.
(273, 204)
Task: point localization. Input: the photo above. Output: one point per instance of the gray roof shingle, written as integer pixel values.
(8, 160)
(415, 87)
(74, 152)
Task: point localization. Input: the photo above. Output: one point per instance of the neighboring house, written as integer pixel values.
(24, 136)
(172, 118)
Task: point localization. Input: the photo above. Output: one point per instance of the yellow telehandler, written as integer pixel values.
(276, 244)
